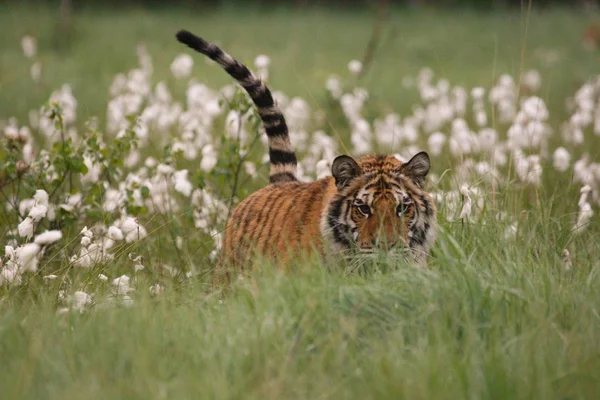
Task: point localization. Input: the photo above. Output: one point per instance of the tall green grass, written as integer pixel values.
(489, 319)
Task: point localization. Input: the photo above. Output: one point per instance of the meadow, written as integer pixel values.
(120, 157)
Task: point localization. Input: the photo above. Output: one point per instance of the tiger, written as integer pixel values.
(376, 202)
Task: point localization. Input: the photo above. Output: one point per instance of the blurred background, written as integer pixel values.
(469, 42)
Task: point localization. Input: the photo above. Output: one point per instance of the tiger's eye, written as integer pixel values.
(364, 208)
(403, 207)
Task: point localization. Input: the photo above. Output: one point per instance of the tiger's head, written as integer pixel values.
(380, 203)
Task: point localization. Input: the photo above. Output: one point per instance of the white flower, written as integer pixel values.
(584, 192)
(334, 86)
(121, 285)
(467, 204)
(583, 218)
(561, 159)
(535, 109)
(41, 197)
(36, 71)
(48, 237)
(79, 300)
(481, 118)
(86, 232)
(27, 256)
(165, 169)
(94, 170)
(50, 277)
(478, 93)
(25, 228)
(181, 67)
(209, 158)
(262, 61)
(355, 67)
(29, 46)
(10, 275)
(85, 241)
(155, 289)
(250, 168)
(510, 232)
(132, 230)
(38, 212)
(103, 277)
(114, 233)
(323, 169)
(436, 143)
(566, 257)
(182, 184)
(532, 80)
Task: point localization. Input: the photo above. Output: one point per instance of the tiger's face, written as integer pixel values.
(380, 204)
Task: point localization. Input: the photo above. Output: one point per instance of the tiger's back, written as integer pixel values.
(278, 220)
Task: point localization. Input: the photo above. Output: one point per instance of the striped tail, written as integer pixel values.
(281, 155)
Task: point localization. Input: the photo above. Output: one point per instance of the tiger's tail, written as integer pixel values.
(283, 163)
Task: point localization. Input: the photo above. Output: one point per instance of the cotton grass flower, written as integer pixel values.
(583, 217)
(80, 300)
(567, 264)
(355, 67)
(48, 237)
(25, 228)
(132, 230)
(26, 256)
(561, 159)
(181, 183)
(181, 67)
(36, 71)
(114, 233)
(29, 46)
(436, 143)
(120, 285)
(262, 62)
(465, 212)
(155, 290)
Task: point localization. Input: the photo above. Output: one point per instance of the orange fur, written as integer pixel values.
(286, 219)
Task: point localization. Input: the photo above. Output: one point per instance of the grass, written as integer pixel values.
(492, 317)
(485, 321)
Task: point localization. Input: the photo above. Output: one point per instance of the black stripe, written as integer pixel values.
(418, 236)
(238, 71)
(243, 223)
(270, 119)
(311, 200)
(277, 207)
(428, 209)
(280, 130)
(262, 214)
(254, 88)
(279, 157)
(281, 177)
(264, 99)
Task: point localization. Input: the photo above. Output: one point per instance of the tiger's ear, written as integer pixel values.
(344, 169)
(417, 168)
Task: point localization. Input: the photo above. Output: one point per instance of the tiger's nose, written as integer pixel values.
(384, 243)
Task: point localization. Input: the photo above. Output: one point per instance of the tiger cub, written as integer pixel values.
(375, 202)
